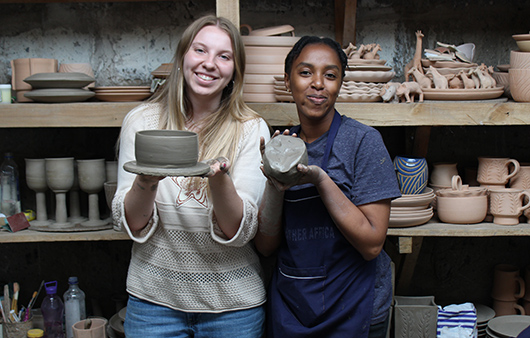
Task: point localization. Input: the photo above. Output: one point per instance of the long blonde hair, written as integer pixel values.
(222, 130)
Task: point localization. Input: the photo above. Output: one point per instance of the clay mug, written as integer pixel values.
(506, 205)
(412, 174)
(97, 328)
(527, 283)
(442, 173)
(522, 179)
(503, 308)
(494, 171)
(508, 285)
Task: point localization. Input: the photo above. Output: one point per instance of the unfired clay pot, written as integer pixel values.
(281, 157)
(442, 173)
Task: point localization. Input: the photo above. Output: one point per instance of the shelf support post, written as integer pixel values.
(228, 9)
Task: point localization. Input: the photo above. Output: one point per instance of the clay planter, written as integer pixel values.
(415, 317)
(462, 210)
(281, 157)
(519, 60)
(520, 84)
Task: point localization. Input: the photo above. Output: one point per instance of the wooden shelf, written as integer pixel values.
(27, 236)
(435, 228)
(430, 113)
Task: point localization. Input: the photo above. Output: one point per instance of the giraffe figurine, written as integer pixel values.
(416, 60)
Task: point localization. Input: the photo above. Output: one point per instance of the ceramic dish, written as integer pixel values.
(59, 95)
(508, 326)
(503, 68)
(447, 64)
(484, 313)
(117, 325)
(200, 169)
(281, 41)
(403, 222)
(462, 94)
(59, 80)
(122, 97)
(359, 98)
(122, 88)
(363, 62)
(369, 67)
(75, 228)
(369, 76)
(420, 207)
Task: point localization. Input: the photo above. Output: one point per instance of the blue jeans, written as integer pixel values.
(145, 319)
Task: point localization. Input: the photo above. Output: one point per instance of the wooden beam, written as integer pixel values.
(345, 21)
(228, 9)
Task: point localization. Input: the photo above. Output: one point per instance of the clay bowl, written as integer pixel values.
(519, 60)
(110, 190)
(282, 155)
(520, 84)
(166, 148)
(523, 41)
(503, 79)
(462, 210)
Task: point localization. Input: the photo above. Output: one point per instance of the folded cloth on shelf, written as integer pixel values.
(457, 321)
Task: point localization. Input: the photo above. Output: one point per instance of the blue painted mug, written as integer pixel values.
(412, 174)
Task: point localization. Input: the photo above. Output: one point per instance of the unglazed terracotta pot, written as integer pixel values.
(462, 210)
(508, 285)
(493, 171)
(520, 84)
(412, 174)
(442, 173)
(506, 205)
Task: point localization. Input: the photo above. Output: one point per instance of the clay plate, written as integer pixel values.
(75, 228)
(122, 97)
(403, 222)
(361, 62)
(369, 67)
(508, 326)
(200, 169)
(447, 64)
(462, 94)
(56, 95)
(59, 80)
(503, 68)
(369, 76)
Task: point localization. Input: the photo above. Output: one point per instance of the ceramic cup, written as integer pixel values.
(442, 173)
(503, 308)
(412, 174)
(508, 285)
(494, 171)
(97, 329)
(506, 205)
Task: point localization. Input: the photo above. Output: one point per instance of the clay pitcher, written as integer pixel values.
(442, 173)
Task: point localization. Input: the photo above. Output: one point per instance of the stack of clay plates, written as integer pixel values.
(411, 210)
(507, 326)
(265, 60)
(122, 93)
(484, 315)
(59, 87)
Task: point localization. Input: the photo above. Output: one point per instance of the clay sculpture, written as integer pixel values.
(389, 92)
(440, 81)
(416, 60)
(282, 155)
(407, 90)
(424, 81)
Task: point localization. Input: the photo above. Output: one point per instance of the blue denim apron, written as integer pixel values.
(322, 286)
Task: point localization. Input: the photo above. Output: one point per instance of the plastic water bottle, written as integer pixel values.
(52, 312)
(74, 306)
(9, 188)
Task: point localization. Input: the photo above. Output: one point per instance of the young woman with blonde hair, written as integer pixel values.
(193, 271)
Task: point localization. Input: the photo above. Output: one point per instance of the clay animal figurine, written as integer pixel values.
(485, 82)
(440, 81)
(475, 78)
(416, 60)
(407, 90)
(466, 80)
(455, 82)
(389, 92)
(371, 55)
(350, 49)
(424, 81)
(358, 53)
(487, 71)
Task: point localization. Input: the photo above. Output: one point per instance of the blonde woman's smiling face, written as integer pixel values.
(315, 81)
(208, 65)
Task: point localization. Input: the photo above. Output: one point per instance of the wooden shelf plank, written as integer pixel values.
(433, 113)
(27, 236)
(437, 229)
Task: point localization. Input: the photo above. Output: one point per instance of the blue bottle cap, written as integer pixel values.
(51, 287)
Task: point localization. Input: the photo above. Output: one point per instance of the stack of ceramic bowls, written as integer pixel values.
(503, 78)
(484, 315)
(411, 210)
(519, 72)
(266, 50)
(507, 326)
(59, 87)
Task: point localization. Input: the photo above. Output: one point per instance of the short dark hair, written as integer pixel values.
(315, 40)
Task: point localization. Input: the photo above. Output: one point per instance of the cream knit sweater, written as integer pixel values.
(181, 259)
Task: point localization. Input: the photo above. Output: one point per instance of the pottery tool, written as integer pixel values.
(32, 301)
(14, 302)
(2, 309)
(7, 300)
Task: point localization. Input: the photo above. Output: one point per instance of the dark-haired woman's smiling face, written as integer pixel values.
(315, 81)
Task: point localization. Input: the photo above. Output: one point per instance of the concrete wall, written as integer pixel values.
(125, 41)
